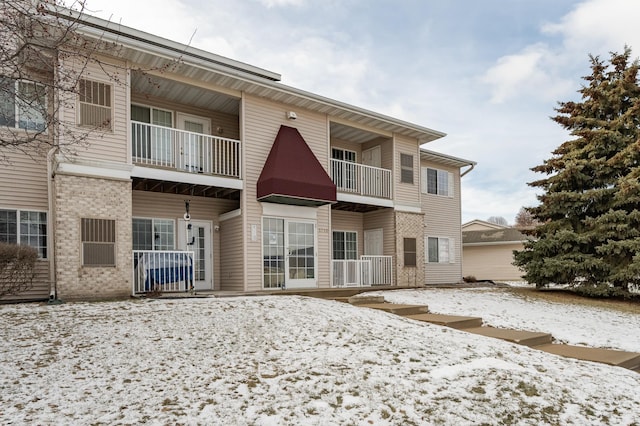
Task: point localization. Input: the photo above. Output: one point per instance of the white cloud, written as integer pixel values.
(529, 73)
(599, 26)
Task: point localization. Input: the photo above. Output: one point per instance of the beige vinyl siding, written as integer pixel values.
(442, 219)
(385, 219)
(229, 124)
(348, 221)
(39, 289)
(491, 262)
(479, 227)
(23, 186)
(171, 206)
(232, 257)
(23, 183)
(262, 120)
(407, 194)
(110, 145)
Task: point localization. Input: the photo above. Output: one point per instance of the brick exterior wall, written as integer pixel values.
(78, 197)
(410, 225)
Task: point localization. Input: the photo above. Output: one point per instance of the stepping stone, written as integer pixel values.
(527, 338)
(363, 300)
(397, 309)
(453, 321)
(630, 360)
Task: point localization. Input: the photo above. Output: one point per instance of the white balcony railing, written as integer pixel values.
(159, 146)
(364, 272)
(361, 179)
(162, 271)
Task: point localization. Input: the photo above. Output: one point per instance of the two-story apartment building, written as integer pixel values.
(211, 174)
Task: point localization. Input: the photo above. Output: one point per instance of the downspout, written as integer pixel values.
(471, 167)
(53, 288)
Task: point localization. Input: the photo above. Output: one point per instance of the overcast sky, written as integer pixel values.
(486, 72)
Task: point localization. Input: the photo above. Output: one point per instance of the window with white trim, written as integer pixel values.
(25, 228)
(437, 182)
(440, 250)
(98, 238)
(406, 168)
(153, 234)
(23, 104)
(95, 102)
(345, 245)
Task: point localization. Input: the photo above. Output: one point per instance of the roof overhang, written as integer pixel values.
(155, 52)
(293, 175)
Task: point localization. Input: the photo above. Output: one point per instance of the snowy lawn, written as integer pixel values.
(286, 360)
(568, 323)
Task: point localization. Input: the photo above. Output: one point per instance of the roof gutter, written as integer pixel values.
(471, 167)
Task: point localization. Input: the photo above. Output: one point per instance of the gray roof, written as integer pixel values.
(493, 236)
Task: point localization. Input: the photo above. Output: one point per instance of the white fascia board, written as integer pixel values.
(102, 169)
(182, 177)
(284, 210)
(360, 199)
(230, 215)
(407, 209)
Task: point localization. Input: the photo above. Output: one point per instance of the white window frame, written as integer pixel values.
(450, 253)
(18, 234)
(22, 110)
(83, 104)
(355, 233)
(442, 189)
(152, 108)
(153, 225)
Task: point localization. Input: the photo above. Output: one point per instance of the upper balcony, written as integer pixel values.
(183, 157)
(361, 180)
(360, 166)
(184, 151)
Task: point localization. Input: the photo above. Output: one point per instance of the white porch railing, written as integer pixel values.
(364, 272)
(160, 146)
(160, 270)
(361, 179)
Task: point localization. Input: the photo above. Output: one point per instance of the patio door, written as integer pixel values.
(198, 239)
(193, 147)
(289, 250)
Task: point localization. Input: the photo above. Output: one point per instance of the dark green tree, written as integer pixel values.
(589, 210)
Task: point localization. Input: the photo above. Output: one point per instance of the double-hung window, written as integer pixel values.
(437, 182)
(345, 245)
(95, 104)
(23, 104)
(406, 168)
(440, 250)
(25, 228)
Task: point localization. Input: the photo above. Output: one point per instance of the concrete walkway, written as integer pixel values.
(536, 340)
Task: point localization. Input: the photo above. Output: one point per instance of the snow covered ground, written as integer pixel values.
(568, 323)
(293, 360)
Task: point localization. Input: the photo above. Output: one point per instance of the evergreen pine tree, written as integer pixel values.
(590, 207)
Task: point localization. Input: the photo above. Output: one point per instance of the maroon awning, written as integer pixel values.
(293, 175)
